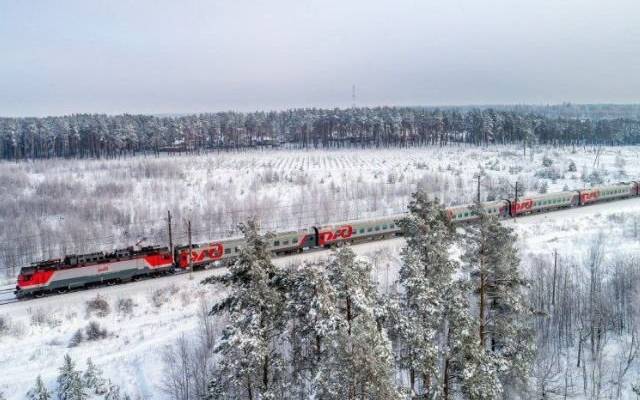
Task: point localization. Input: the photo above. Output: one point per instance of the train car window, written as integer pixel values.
(276, 243)
(384, 226)
(227, 251)
(377, 228)
(369, 229)
(285, 242)
(236, 250)
(361, 230)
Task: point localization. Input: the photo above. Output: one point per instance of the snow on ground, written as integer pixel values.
(39, 331)
(54, 206)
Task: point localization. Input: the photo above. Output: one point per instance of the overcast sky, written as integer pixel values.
(151, 56)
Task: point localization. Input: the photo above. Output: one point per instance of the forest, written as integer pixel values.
(99, 135)
(474, 327)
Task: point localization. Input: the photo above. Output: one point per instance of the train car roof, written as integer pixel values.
(552, 195)
(365, 220)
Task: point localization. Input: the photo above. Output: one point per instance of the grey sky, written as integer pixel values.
(151, 56)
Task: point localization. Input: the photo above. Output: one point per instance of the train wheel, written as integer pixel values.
(62, 290)
(38, 295)
(111, 282)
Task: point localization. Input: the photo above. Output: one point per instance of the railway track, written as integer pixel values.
(7, 296)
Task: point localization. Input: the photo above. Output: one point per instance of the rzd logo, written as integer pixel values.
(344, 232)
(590, 196)
(207, 254)
(522, 206)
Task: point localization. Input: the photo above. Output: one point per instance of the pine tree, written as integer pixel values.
(358, 346)
(70, 386)
(425, 278)
(113, 392)
(39, 391)
(466, 364)
(251, 361)
(93, 379)
(493, 265)
(313, 320)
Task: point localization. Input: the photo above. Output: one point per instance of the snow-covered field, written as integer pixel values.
(54, 206)
(102, 204)
(39, 331)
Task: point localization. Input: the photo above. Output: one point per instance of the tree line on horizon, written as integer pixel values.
(108, 136)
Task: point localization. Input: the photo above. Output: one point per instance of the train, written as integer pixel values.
(124, 265)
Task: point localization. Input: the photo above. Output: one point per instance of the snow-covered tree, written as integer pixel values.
(467, 368)
(39, 391)
(93, 379)
(359, 347)
(503, 317)
(250, 360)
(313, 320)
(425, 278)
(70, 385)
(113, 392)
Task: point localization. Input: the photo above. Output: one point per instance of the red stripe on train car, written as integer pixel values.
(38, 278)
(158, 260)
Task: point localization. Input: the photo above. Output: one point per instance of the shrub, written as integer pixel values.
(38, 317)
(161, 296)
(547, 162)
(76, 339)
(98, 306)
(594, 178)
(125, 306)
(95, 332)
(548, 173)
(4, 325)
(543, 188)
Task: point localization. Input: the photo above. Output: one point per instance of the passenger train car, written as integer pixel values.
(81, 271)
